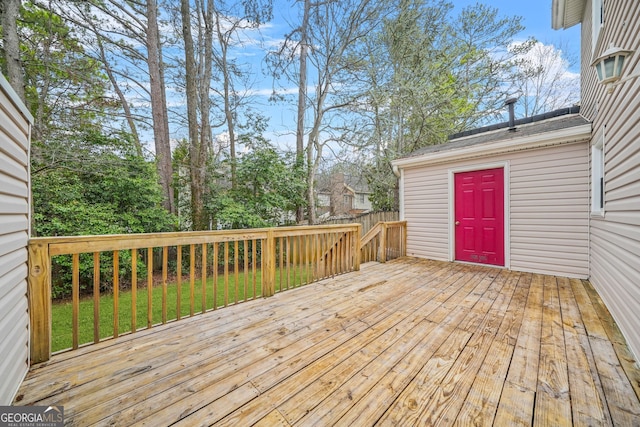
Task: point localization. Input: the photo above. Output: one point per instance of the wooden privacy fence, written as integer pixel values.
(367, 220)
(152, 279)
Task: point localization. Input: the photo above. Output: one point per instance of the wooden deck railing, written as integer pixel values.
(385, 241)
(152, 279)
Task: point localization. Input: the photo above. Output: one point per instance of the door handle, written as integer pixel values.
(457, 222)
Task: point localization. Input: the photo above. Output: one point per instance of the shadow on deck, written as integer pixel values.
(411, 342)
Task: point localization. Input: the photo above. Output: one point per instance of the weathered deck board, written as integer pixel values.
(410, 342)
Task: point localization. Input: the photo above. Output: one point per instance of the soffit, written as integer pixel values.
(566, 13)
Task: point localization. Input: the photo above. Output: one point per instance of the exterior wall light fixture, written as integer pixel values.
(609, 66)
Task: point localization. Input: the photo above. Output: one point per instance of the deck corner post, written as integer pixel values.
(357, 256)
(383, 243)
(270, 267)
(39, 293)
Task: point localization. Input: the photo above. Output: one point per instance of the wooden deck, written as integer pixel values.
(410, 342)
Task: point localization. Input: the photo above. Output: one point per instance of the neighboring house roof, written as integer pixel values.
(557, 127)
(566, 13)
(357, 183)
(353, 183)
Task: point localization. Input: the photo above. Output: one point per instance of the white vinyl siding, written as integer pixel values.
(615, 237)
(548, 212)
(426, 209)
(14, 237)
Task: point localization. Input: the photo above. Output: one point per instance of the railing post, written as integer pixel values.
(39, 283)
(383, 243)
(357, 256)
(404, 238)
(269, 270)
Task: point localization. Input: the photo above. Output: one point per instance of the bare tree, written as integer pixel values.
(302, 94)
(327, 39)
(543, 81)
(232, 19)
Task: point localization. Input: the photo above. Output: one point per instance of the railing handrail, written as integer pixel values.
(373, 232)
(68, 245)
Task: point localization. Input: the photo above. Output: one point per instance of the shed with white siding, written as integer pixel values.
(15, 128)
(535, 218)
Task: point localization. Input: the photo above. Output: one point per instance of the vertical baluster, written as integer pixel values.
(165, 256)
(308, 238)
(215, 275)
(116, 294)
(294, 256)
(357, 248)
(330, 253)
(327, 252)
(179, 282)
(192, 278)
(314, 258)
(263, 269)
(320, 256)
(288, 255)
(134, 289)
(75, 298)
(226, 273)
(235, 270)
(347, 251)
(333, 250)
(254, 256)
(300, 259)
(336, 253)
(96, 297)
(245, 255)
(343, 252)
(204, 278)
(281, 256)
(149, 287)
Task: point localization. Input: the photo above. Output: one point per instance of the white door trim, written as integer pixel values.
(507, 211)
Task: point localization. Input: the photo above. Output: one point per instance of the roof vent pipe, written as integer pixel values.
(510, 102)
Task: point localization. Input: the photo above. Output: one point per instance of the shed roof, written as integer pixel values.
(556, 127)
(542, 123)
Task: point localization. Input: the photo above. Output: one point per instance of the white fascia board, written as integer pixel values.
(566, 13)
(13, 96)
(557, 14)
(564, 136)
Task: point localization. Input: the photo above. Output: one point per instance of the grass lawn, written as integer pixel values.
(61, 334)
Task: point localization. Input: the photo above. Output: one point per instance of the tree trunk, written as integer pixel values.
(159, 107)
(196, 172)
(205, 108)
(228, 108)
(302, 100)
(9, 14)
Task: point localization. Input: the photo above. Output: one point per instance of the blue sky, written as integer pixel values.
(536, 19)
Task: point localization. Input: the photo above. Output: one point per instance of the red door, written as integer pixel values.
(479, 216)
